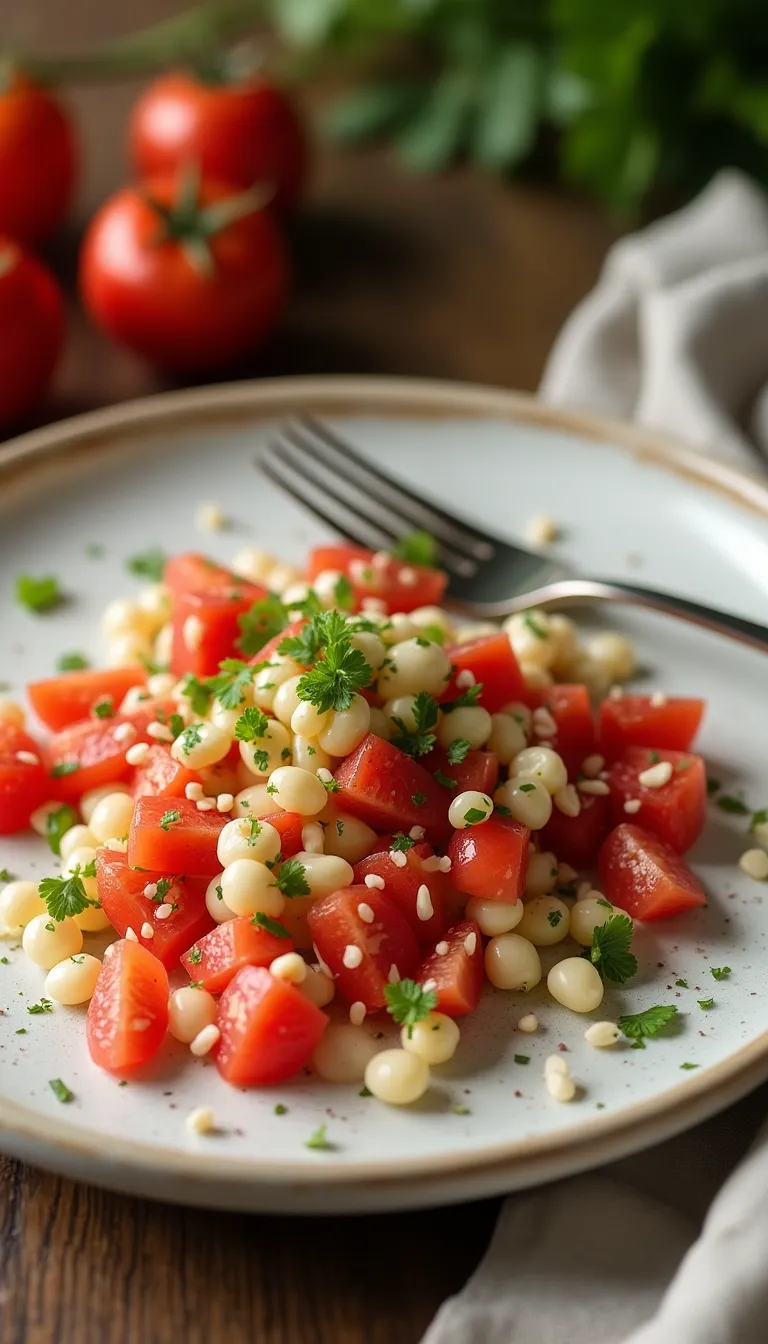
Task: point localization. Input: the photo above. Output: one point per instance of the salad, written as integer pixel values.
(308, 803)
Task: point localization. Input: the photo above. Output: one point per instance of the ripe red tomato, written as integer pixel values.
(491, 661)
(31, 322)
(60, 701)
(23, 783)
(215, 959)
(121, 892)
(381, 785)
(576, 840)
(385, 942)
(87, 754)
(635, 721)
(38, 161)
(401, 586)
(240, 133)
(269, 1029)
(676, 811)
(643, 876)
(159, 773)
(490, 860)
(216, 598)
(128, 1014)
(458, 973)
(159, 275)
(571, 710)
(404, 883)
(170, 835)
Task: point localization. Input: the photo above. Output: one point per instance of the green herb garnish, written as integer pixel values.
(408, 1003)
(610, 952)
(648, 1023)
(39, 595)
(60, 1090)
(148, 565)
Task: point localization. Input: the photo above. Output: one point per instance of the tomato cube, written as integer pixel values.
(491, 660)
(122, 894)
(676, 811)
(479, 770)
(60, 701)
(381, 785)
(458, 973)
(635, 721)
(215, 959)
(290, 826)
(490, 860)
(128, 1014)
(170, 835)
(576, 840)
(645, 877)
(571, 710)
(208, 602)
(428, 918)
(384, 942)
(269, 1029)
(160, 774)
(400, 586)
(24, 784)
(89, 754)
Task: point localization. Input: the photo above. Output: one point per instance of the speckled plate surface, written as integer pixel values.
(132, 477)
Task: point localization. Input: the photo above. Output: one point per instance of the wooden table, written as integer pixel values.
(460, 277)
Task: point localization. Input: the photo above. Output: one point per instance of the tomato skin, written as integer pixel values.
(128, 1014)
(38, 161)
(270, 648)
(290, 826)
(425, 587)
(458, 975)
(677, 811)
(576, 840)
(121, 892)
(571, 709)
(490, 860)
(402, 887)
(634, 721)
(31, 322)
(186, 846)
(269, 1029)
(159, 774)
(214, 597)
(492, 661)
(378, 783)
(479, 770)
(60, 701)
(23, 786)
(229, 946)
(388, 941)
(238, 133)
(645, 877)
(100, 757)
(148, 295)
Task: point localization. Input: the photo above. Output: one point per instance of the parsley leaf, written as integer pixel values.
(530, 623)
(418, 799)
(60, 1090)
(318, 1139)
(263, 620)
(64, 896)
(689, 1066)
(720, 972)
(343, 595)
(417, 548)
(57, 823)
(758, 818)
(148, 565)
(522, 1059)
(419, 740)
(469, 697)
(610, 949)
(401, 843)
(554, 917)
(713, 785)
(457, 750)
(189, 737)
(64, 768)
(408, 1003)
(72, 662)
(104, 709)
(648, 1023)
(727, 803)
(251, 724)
(198, 693)
(195, 955)
(474, 816)
(231, 684)
(447, 783)
(36, 1009)
(38, 595)
(272, 926)
(292, 879)
(342, 670)
(5, 876)
(169, 818)
(681, 984)
(706, 1004)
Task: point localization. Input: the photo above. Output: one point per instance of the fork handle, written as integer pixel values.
(573, 592)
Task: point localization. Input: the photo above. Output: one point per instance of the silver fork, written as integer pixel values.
(488, 577)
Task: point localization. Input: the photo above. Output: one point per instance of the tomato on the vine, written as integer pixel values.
(241, 132)
(184, 272)
(38, 161)
(31, 329)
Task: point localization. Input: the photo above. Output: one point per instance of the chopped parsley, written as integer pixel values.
(654, 757)
(759, 819)
(527, 788)
(420, 739)
(434, 633)
(689, 1066)
(417, 548)
(713, 785)
(343, 595)
(554, 917)
(648, 1023)
(44, 1006)
(365, 1091)
(446, 782)
(147, 565)
(231, 685)
(163, 887)
(189, 737)
(339, 828)
(273, 926)
(72, 662)
(64, 896)
(262, 622)
(169, 819)
(318, 1139)
(401, 843)
(681, 984)
(251, 724)
(280, 1109)
(418, 799)
(457, 750)
(64, 768)
(195, 956)
(720, 972)
(610, 952)
(469, 697)
(459, 1108)
(60, 1090)
(408, 1003)
(503, 810)
(198, 693)
(531, 624)
(292, 879)
(57, 823)
(342, 670)
(522, 1059)
(104, 709)
(474, 815)
(38, 595)
(706, 1004)
(735, 806)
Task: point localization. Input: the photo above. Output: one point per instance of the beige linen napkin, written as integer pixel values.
(675, 337)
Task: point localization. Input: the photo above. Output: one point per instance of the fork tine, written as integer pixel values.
(443, 525)
(331, 512)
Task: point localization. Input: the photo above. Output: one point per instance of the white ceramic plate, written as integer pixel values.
(132, 477)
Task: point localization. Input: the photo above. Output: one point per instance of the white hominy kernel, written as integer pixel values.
(512, 962)
(160, 732)
(616, 693)
(147, 931)
(397, 1077)
(597, 787)
(754, 862)
(446, 863)
(374, 881)
(206, 804)
(470, 943)
(352, 956)
(163, 911)
(560, 1086)
(442, 948)
(343, 1053)
(201, 1120)
(424, 907)
(656, 776)
(73, 980)
(131, 935)
(614, 653)
(393, 974)
(205, 1040)
(592, 765)
(464, 804)
(118, 845)
(324, 775)
(541, 530)
(365, 912)
(125, 732)
(312, 838)
(543, 764)
(150, 891)
(583, 890)
(430, 865)
(529, 1023)
(416, 833)
(587, 915)
(210, 518)
(27, 758)
(602, 1035)
(39, 818)
(632, 805)
(576, 984)
(192, 632)
(225, 802)
(20, 902)
(494, 917)
(193, 792)
(138, 753)
(357, 1013)
(374, 606)
(290, 966)
(317, 987)
(567, 801)
(465, 679)
(434, 1039)
(658, 699)
(556, 1064)
(161, 683)
(398, 858)
(529, 802)
(543, 723)
(46, 946)
(428, 985)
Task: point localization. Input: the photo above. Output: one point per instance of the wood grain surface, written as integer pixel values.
(458, 277)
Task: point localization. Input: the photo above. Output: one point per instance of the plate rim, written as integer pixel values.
(541, 1156)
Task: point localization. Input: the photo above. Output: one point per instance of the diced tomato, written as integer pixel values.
(60, 701)
(381, 785)
(128, 1014)
(403, 884)
(479, 770)
(491, 660)
(290, 826)
(121, 892)
(23, 784)
(387, 941)
(269, 1029)
(490, 860)
(215, 959)
(645, 877)
(635, 721)
(170, 835)
(458, 973)
(676, 811)
(92, 747)
(401, 586)
(160, 774)
(216, 598)
(571, 710)
(576, 840)
(271, 646)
